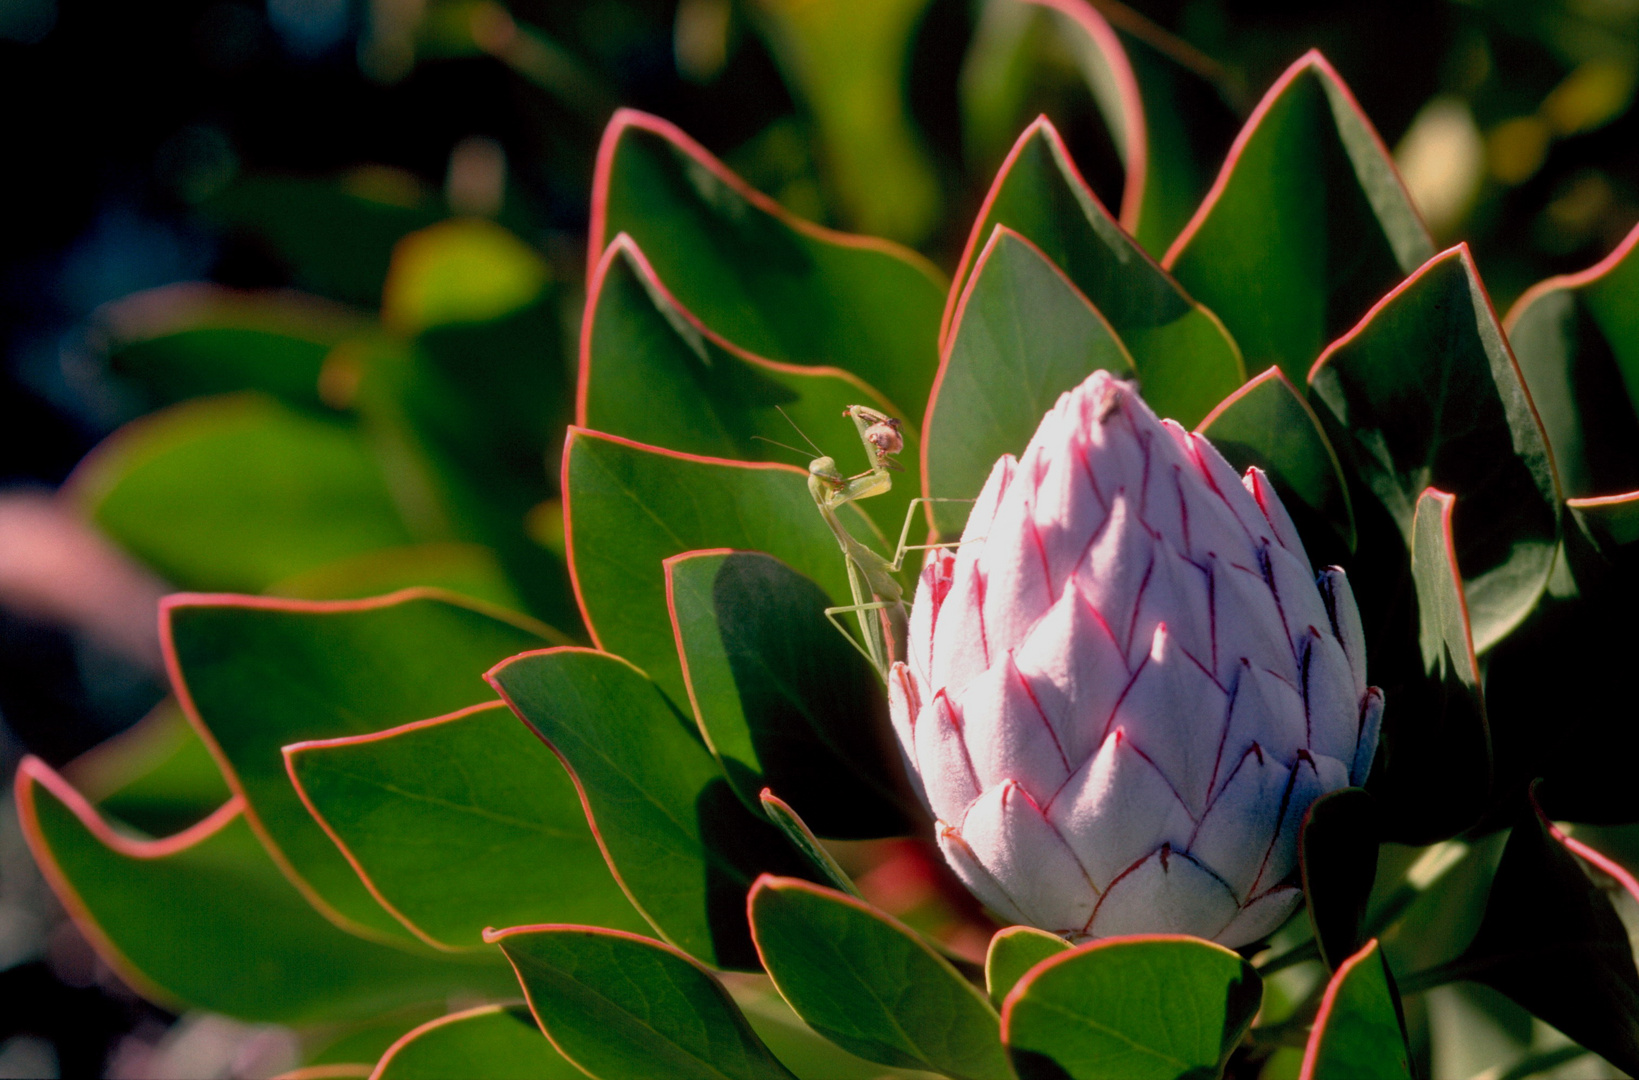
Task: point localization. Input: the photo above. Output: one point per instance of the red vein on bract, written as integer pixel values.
(190, 710)
(623, 244)
(665, 129)
(493, 936)
(32, 771)
(1021, 987)
(677, 637)
(1461, 252)
(575, 432)
(948, 345)
(1136, 159)
(490, 677)
(1328, 1001)
(1570, 281)
(419, 1030)
(293, 749)
(1311, 60)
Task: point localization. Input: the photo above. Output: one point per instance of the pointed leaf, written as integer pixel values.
(1610, 521)
(1424, 393)
(471, 570)
(870, 985)
(1306, 226)
(628, 507)
(237, 492)
(639, 346)
(623, 1007)
(678, 840)
(494, 834)
(803, 839)
(1337, 850)
(1013, 952)
(769, 282)
(1552, 941)
(180, 918)
(254, 674)
(1578, 347)
(783, 699)
(1359, 1031)
(1023, 335)
(490, 1042)
(1267, 423)
(1155, 1006)
(1184, 358)
(802, 1050)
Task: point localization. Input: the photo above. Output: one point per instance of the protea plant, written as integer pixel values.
(1132, 692)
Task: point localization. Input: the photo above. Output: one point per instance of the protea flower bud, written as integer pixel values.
(1126, 686)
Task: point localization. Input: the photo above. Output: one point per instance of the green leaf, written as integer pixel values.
(189, 340)
(1013, 952)
(1337, 850)
(1577, 341)
(237, 492)
(1359, 1031)
(256, 674)
(1022, 336)
(1434, 765)
(1183, 356)
(1135, 1008)
(679, 841)
(1307, 225)
(493, 836)
(623, 1007)
(1424, 393)
(468, 569)
(1553, 942)
(773, 284)
(802, 1050)
(204, 919)
(1610, 521)
(803, 839)
(490, 1042)
(336, 236)
(849, 64)
(157, 776)
(782, 698)
(468, 270)
(641, 347)
(870, 985)
(1267, 423)
(628, 507)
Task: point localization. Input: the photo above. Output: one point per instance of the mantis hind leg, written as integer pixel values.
(905, 532)
(831, 613)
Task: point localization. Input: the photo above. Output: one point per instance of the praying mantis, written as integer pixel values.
(879, 599)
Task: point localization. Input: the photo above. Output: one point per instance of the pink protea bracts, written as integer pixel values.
(1126, 686)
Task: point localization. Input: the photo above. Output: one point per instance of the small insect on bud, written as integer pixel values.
(881, 431)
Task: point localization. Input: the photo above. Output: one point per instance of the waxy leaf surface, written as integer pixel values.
(257, 674)
(490, 1042)
(783, 700)
(623, 1007)
(205, 919)
(678, 839)
(1359, 1031)
(802, 838)
(1425, 393)
(1023, 335)
(628, 507)
(1163, 1007)
(640, 348)
(870, 985)
(1306, 226)
(771, 283)
(1012, 953)
(1268, 424)
(238, 492)
(459, 823)
(1577, 340)
(1182, 355)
